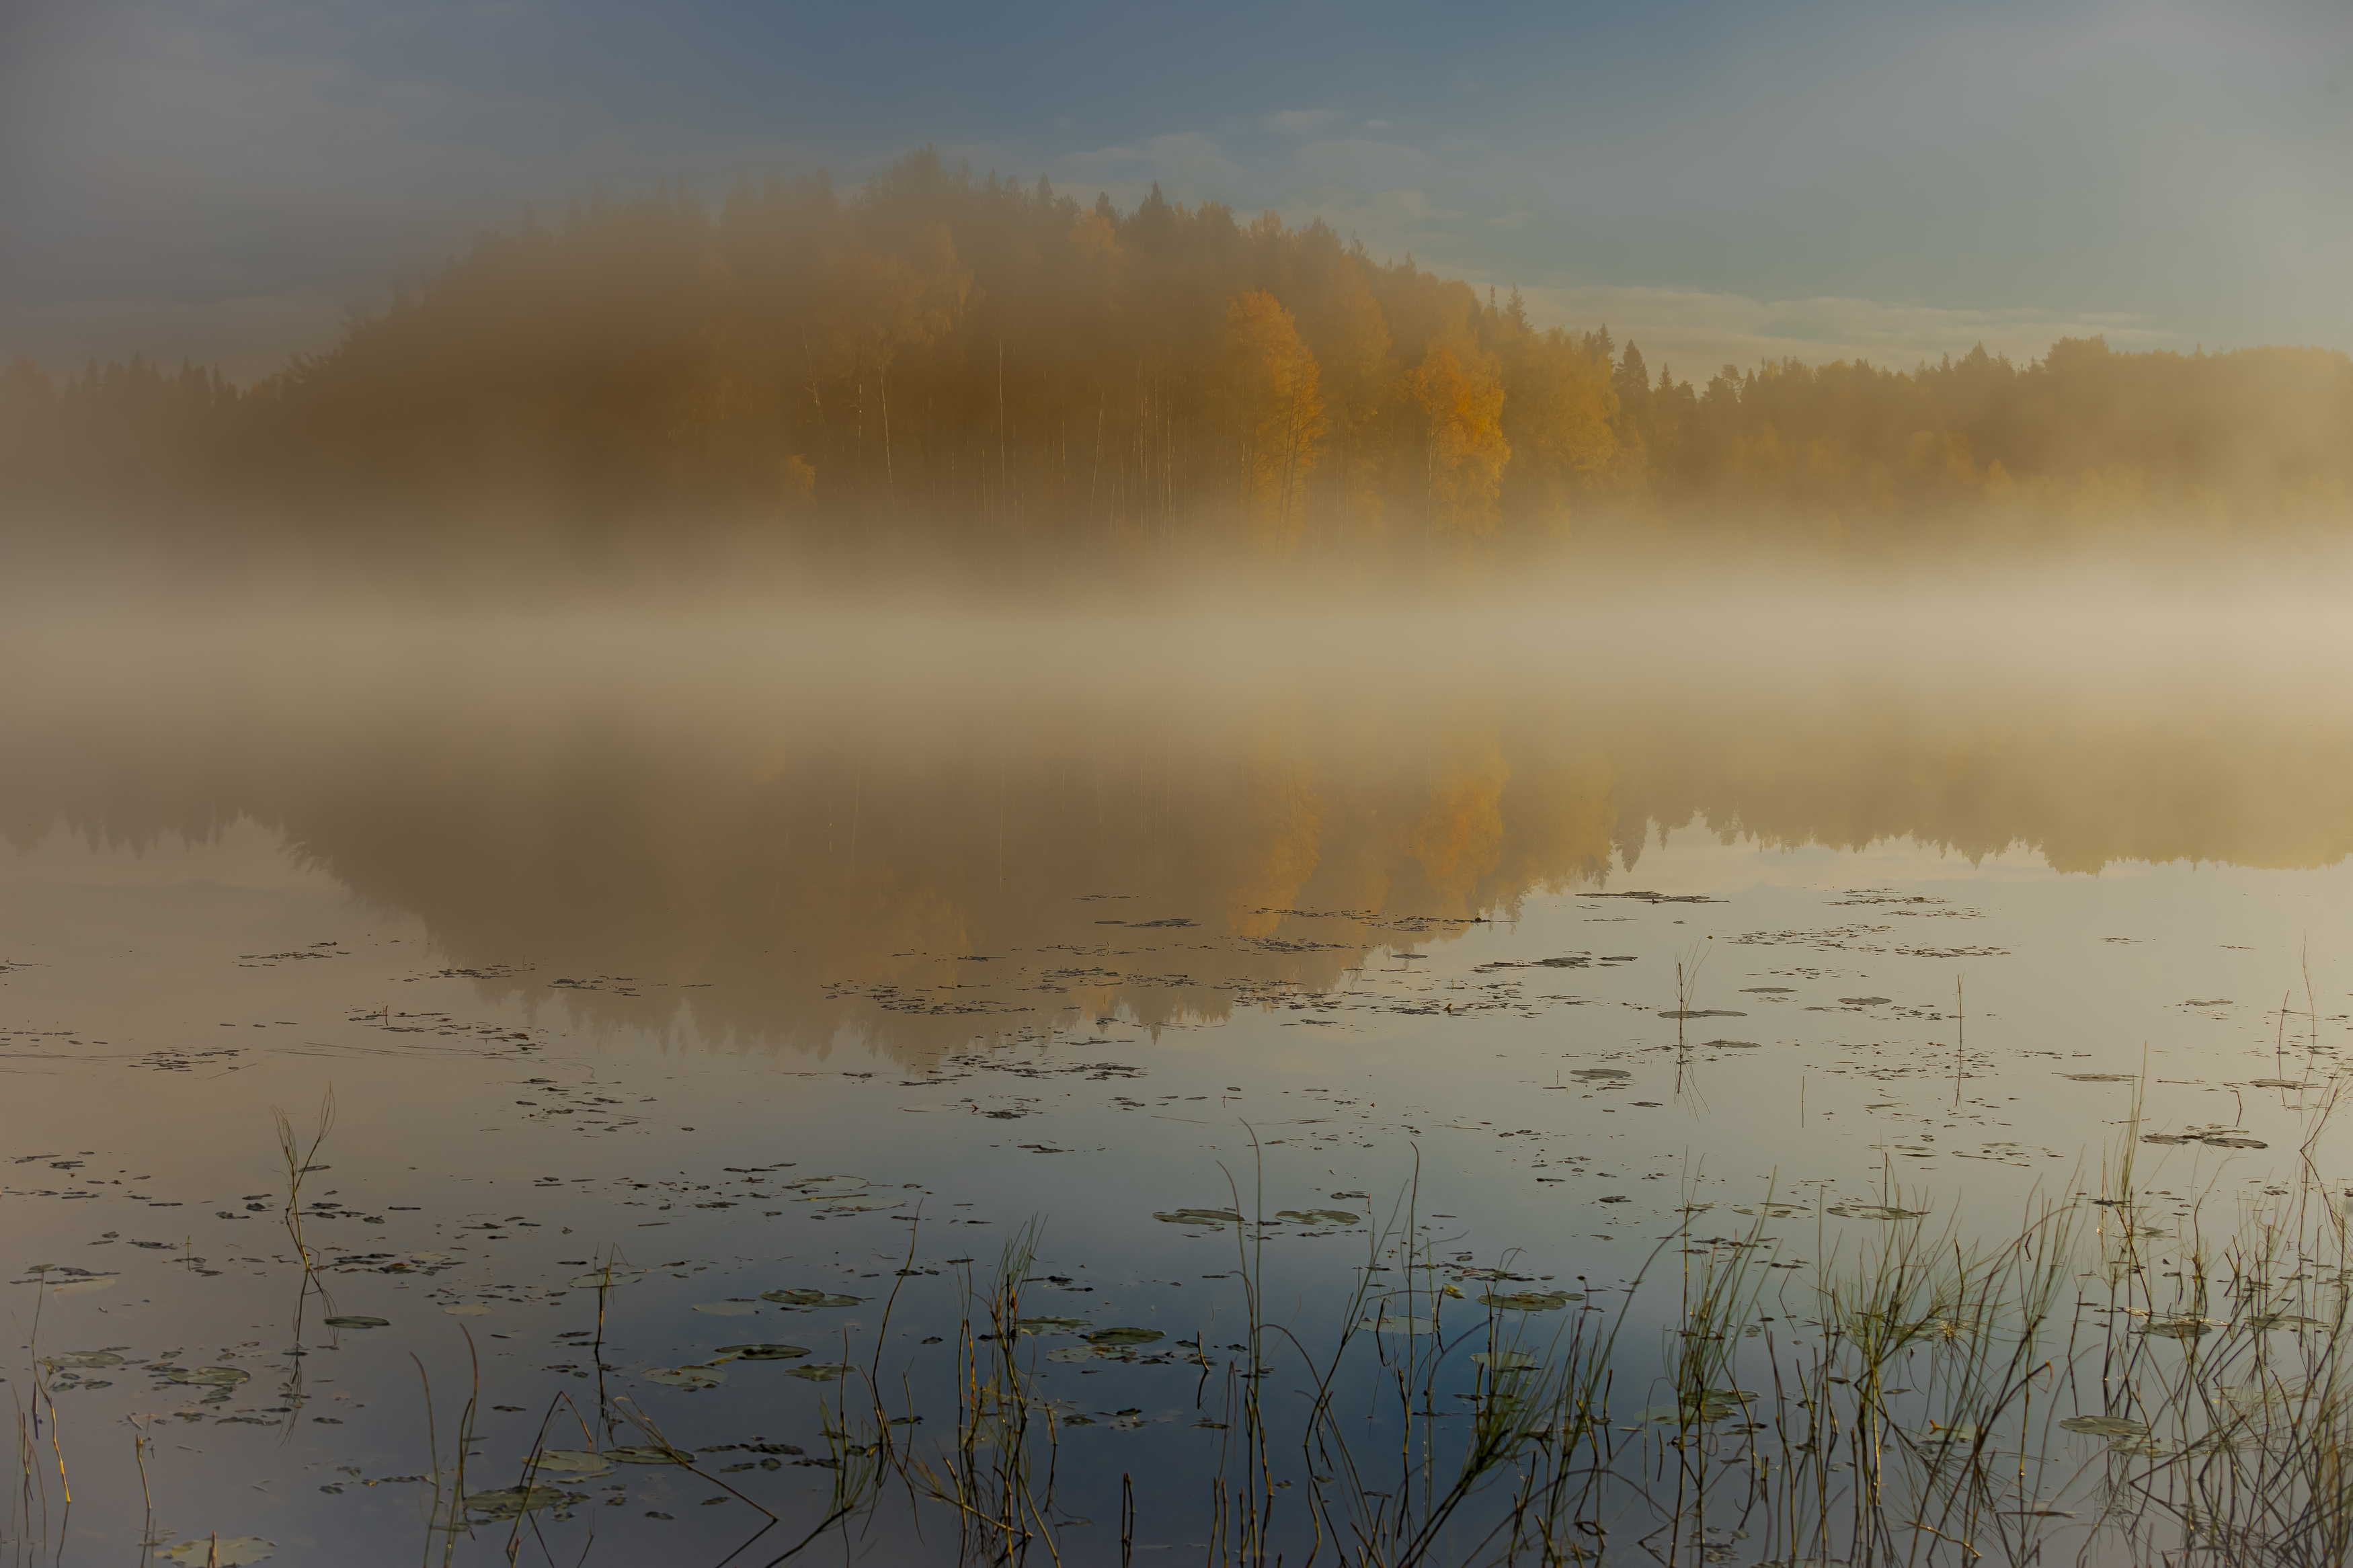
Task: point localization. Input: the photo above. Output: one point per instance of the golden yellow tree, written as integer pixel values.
(1278, 404)
(1459, 389)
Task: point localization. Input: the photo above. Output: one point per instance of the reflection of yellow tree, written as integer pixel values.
(1459, 390)
(1459, 837)
(1278, 399)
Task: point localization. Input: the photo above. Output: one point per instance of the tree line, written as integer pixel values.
(983, 362)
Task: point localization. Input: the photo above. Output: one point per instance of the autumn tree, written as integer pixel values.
(1278, 404)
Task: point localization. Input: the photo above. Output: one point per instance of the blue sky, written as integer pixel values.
(226, 177)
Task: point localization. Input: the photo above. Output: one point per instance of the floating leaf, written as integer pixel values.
(513, 1502)
(691, 1378)
(1387, 1324)
(2098, 1077)
(1705, 1013)
(1507, 1361)
(865, 1202)
(2275, 1083)
(1876, 1211)
(1318, 1217)
(224, 1550)
(1198, 1216)
(210, 1376)
(809, 1298)
(810, 1187)
(1593, 1075)
(2181, 1328)
(820, 1371)
(359, 1322)
(2286, 1320)
(83, 1287)
(648, 1454)
(2105, 1425)
(83, 1359)
(1124, 1336)
(2233, 1140)
(1774, 1211)
(764, 1353)
(1050, 1325)
(735, 1307)
(1734, 1045)
(1071, 1353)
(1533, 1300)
(605, 1277)
(579, 1462)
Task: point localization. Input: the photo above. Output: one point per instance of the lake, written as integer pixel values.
(1157, 1083)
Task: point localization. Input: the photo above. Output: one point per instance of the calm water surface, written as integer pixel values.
(764, 959)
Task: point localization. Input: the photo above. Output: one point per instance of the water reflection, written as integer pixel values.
(789, 845)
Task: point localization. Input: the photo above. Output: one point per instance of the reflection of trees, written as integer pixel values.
(789, 882)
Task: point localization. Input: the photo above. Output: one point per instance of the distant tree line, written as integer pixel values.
(983, 362)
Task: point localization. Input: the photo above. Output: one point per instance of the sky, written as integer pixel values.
(1723, 183)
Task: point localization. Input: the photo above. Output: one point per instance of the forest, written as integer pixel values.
(983, 364)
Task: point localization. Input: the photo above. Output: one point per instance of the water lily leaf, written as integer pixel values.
(736, 1308)
(512, 1502)
(359, 1322)
(1071, 1353)
(579, 1462)
(1774, 1211)
(1124, 1336)
(226, 1551)
(469, 1309)
(2098, 1077)
(809, 1298)
(1198, 1216)
(82, 1358)
(865, 1202)
(690, 1378)
(83, 1286)
(1388, 1324)
(2275, 1083)
(810, 1187)
(2105, 1425)
(764, 1353)
(1533, 1300)
(1318, 1217)
(1594, 1075)
(1507, 1361)
(1050, 1325)
(1876, 1211)
(2232, 1140)
(211, 1376)
(2286, 1320)
(2181, 1328)
(607, 1276)
(647, 1454)
(818, 1372)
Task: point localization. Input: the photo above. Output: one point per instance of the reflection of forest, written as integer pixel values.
(920, 880)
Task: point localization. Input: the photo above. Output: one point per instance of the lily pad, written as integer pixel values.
(2105, 1425)
(1734, 1045)
(764, 1353)
(581, 1462)
(82, 1358)
(1198, 1216)
(1533, 1300)
(211, 1376)
(513, 1502)
(2098, 1077)
(1124, 1336)
(356, 1322)
(737, 1308)
(1876, 1211)
(1596, 1075)
(469, 1309)
(2232, 1140)
(809, 1298)
(1318, 1217)
(1774, 1211)
(2275, 1083)
(1507, 1361)
(224, 1550)
(2181, 1328)
(1071, 1353)
(863, 1203)
(607, 1276)
(810, 1187)
(819, 1372)
(648, 1454)
(1050, 1325)
(693, 1379)
(83, 1286)
(1703, 1012)
(1388, 1324)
